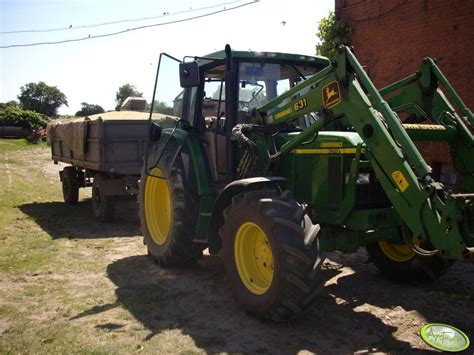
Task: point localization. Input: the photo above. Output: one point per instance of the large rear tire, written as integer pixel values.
(400, 263)
(273, 273)
(70, 185)
(168, 215)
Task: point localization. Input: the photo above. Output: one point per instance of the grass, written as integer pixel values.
(27, 248)
(55, 296)
(70, 284)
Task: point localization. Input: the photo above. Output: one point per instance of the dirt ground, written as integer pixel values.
(120, 295)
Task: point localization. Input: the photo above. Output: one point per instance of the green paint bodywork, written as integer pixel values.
(207, 197)
(357, 167)
(430, 213)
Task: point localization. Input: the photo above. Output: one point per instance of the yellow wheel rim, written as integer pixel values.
(253, 258)
(398, 252)
(157, 207)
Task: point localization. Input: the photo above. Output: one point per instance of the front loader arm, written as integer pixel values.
(420, 91)
(421, 97)
(344, 91)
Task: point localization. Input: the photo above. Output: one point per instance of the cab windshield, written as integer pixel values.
(261, 82)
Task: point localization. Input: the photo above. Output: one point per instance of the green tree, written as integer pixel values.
(18, 116)
(41, 98)
(332, 33)
(8, 104)
(125, 91)
(89, 109)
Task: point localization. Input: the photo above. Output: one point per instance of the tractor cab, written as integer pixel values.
(209, 95)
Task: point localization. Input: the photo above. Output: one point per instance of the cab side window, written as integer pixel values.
(213, 106)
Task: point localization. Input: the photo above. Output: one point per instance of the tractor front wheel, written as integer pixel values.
(271, 270)
(400, 263)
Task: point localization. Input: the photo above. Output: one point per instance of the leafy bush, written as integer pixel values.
(18, 116)
(332, 33)
(8, 104)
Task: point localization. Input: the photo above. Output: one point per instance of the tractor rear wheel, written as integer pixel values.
(70, 185)
(168, 214)
(400, 263)
(271, 270)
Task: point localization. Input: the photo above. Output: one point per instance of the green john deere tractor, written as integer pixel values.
(273, 159)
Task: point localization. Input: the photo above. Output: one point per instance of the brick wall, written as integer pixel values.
(391, 37)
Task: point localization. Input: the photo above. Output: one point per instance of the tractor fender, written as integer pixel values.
(225, 198)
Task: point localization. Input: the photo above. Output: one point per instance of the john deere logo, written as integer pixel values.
(444, 337)
(331, 94)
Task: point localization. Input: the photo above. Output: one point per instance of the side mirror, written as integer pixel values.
(155, 132)
(189, 74)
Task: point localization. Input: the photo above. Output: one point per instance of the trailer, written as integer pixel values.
(105, 152)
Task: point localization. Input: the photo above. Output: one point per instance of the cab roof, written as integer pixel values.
(268, 56)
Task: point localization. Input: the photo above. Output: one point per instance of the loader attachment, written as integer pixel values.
(345, 98)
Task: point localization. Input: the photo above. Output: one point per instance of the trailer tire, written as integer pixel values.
(70, 185)
(400, 263)
(273, 274)
(168, 216)
(103, 206)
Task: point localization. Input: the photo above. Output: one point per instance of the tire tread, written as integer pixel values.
(281, 215)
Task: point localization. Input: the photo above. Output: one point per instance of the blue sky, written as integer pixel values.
(94, 69)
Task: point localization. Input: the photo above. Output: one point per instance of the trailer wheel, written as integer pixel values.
(272, 272)
(102, 205)
(400, 263)
(70, 185)
(168, 216)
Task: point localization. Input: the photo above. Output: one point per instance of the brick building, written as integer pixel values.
(391, 37)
